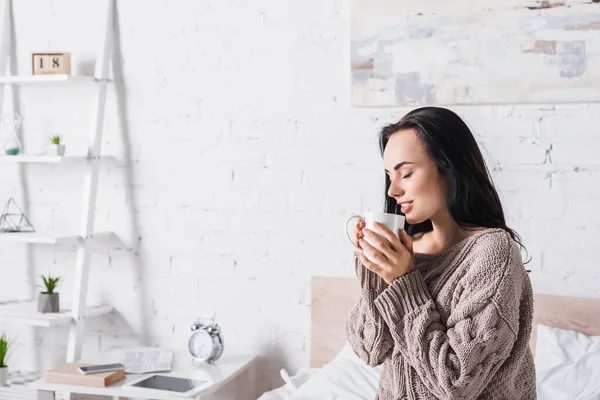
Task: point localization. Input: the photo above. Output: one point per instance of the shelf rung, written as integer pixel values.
(25, 313)
(40, 158)
(28, 158)
(39, 238)
(25, 79)
(100, 240)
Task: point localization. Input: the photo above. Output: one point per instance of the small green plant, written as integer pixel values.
(51, 282)
(5, 345)
(55, 139)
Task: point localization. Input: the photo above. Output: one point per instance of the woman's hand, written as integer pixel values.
(391, 258)
(357, 235)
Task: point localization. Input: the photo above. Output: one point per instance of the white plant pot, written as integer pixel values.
(56, 150)
(4, 376)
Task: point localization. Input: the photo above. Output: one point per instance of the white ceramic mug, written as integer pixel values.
(393, 222)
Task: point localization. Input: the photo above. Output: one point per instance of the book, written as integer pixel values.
(68, 374)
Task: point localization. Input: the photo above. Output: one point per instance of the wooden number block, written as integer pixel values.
(51, 63)
(39, 63)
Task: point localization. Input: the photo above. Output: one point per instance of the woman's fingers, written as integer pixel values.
(369, 265)
(407, 241)
(389, 235)
(380, 243)
(357, 233)
(372, 253)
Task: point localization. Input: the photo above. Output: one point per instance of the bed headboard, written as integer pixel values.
(332, 299)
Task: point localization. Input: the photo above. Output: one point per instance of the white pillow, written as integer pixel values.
(567, 365)
(346, 377)
(292, 383)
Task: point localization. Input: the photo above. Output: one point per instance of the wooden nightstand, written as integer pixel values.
(225, 370)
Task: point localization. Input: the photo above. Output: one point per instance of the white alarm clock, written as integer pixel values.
(206, 341)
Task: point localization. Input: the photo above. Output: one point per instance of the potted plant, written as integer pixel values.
(49, 301)
(56, 147)
(5, 345)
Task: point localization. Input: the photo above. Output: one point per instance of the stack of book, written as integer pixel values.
(69, 374)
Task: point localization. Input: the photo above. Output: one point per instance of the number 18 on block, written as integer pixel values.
(51, 63)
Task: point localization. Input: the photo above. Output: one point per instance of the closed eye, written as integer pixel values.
(403, 177)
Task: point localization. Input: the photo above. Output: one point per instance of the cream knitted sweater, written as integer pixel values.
(462, 333)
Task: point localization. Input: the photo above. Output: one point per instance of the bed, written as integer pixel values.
(569, 324)
(332, 298)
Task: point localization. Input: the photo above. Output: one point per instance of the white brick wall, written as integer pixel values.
(245, 159)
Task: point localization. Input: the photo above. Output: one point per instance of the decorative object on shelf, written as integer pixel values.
(206, 341)
(13, 219)
(56, 148)
(12, 145)
(49, 301)
(5, 345)
(51, 63)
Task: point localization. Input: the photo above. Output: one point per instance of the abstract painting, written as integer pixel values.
(432, 52)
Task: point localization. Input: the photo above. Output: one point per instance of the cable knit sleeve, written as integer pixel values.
(456, 359)
(366, 330)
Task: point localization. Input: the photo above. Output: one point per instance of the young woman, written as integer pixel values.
(447, 308)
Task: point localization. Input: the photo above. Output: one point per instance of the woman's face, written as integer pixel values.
(416, 184)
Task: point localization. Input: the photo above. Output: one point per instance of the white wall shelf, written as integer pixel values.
(99, 241)
(33, 158)
(40, 158)
(29, 158)
(29, 79)
(85, 238)
(39, 238)
(25, 313)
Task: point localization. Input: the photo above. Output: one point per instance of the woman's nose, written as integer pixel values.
(394, 190)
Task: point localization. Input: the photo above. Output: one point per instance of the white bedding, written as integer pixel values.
(567, 365)
(567, 368)
(292, 384)
(346, 377)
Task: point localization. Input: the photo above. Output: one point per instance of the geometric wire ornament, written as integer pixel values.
(13, 220)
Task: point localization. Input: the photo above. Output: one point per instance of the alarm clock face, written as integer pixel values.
(201, 345)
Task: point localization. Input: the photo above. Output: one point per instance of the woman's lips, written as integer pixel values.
(406, 207)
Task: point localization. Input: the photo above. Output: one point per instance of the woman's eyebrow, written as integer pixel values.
(400, 164)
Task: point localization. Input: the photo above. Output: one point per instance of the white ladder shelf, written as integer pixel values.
(25, 312)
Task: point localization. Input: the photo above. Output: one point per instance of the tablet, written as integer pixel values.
(170, 383)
